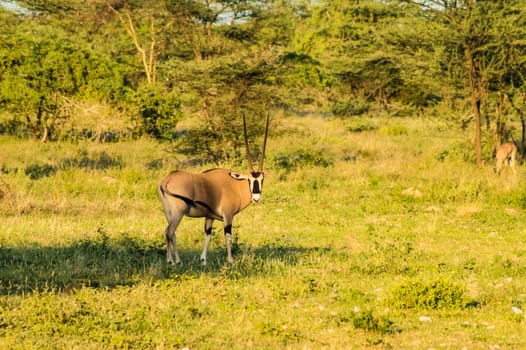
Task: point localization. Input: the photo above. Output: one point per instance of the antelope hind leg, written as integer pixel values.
(208, 235)
(174, 210)
(171, 244)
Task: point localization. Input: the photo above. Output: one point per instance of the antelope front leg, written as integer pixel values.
(228, 239)
(513, 165)
(208, 235)
(498, 167)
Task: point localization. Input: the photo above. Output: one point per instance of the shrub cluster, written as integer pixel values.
(429, 295)
(302, 158)
(367, 321)
(37, 171)
(360, 125)
(95, 161)
(395, 130)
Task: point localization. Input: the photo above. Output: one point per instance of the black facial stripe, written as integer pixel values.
(255, 187)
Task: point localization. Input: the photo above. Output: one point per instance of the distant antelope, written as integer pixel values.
(506, 154)
(216, 194)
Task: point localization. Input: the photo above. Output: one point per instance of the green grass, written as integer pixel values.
(382, 238)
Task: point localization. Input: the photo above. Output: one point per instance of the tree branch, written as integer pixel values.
(148, 63)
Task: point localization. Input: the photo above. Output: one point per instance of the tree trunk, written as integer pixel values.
(475, 103)
(147, 58)
(523, 136)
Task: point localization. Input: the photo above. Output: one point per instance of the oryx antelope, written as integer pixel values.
(216, 194)
(506, 154)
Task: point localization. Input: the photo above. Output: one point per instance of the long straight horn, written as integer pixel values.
(249, 158)
(264, 145)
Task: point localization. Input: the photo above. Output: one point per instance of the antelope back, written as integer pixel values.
(506, 150)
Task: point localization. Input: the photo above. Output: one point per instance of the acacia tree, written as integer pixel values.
(147, 55)
(506, 67)
(199, 25)
(147, 27)
(477, 40)
(40, 75)
(252, 73)
(350, 39)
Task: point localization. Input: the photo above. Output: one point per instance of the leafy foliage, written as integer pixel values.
(301, 159)
(40, 74)
(367, 321)
(360, 125)
(158, 110)
(94, 161)
(429, 295)
(37, 171)
(155, 63)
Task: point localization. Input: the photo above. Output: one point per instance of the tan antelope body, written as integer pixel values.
(216, 194)
(506, 155)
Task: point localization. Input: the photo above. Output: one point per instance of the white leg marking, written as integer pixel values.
(205, 249)
(228, 238)
(208, 235)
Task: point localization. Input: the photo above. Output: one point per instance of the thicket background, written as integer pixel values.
(109, 70)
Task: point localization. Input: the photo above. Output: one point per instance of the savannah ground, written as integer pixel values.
(372, 233)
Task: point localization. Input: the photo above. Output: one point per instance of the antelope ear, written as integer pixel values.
(238, 176)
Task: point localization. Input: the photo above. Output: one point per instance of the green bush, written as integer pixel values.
(367, 321)
(38, 171)
(429, 295)
(516, 198)
(41, 74)
(158, 110)
(281, 331)
(457, 151)
(395, 130)
(97, 160)
(352, 107)
(360, 125)
(301, 159)
(442, 191)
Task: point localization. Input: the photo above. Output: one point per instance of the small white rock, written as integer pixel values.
(412, 192)
(425, 319)
(433, 209)
(357, 309)
(516, 310)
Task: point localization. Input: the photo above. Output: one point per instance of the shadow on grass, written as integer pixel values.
(106, 262)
